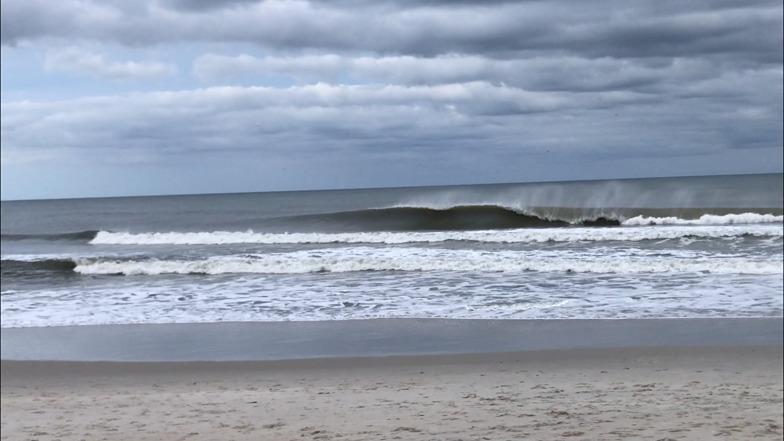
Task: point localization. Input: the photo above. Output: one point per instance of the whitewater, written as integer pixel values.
(644, 248)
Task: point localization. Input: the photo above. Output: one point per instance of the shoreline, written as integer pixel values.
(249, 341)
(676, 379)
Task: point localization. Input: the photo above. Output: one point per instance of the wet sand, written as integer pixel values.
(378, 337)
(396, 379)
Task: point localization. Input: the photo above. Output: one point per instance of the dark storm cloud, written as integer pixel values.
(752, 34)
(594, 29)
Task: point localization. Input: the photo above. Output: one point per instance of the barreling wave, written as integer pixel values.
(454, 218)
(497, 217)
(417, 224)
(631, 234)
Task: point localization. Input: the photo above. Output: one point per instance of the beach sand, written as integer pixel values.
(649, 393)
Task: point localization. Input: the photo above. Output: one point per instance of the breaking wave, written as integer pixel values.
(582, 234)
(406, 259)
(496, 217)
(454, 218)
(421, 260)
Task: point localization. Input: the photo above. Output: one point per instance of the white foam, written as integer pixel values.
(707, 219)
(526, 235)
(383, 294)
(343, 260)
(31, 257)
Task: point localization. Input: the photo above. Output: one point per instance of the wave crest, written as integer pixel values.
(707, 219)
(581, 234)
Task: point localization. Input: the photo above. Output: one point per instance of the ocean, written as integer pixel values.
(691, 247)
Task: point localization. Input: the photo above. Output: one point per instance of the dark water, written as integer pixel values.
(670, 247)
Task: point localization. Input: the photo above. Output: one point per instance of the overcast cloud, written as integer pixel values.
(80, 62)
(111, 97)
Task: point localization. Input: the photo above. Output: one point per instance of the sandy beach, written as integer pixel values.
(654, 393)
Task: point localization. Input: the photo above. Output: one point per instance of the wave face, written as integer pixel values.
(681, 247)
(496, 217)
(466, 217)
(21, 265)
(81, 237)
(702, 200)
(416, 224)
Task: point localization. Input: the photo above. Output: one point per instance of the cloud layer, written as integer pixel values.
(431, 92)
(81, 62)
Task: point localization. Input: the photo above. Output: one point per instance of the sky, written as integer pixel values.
(115, 97)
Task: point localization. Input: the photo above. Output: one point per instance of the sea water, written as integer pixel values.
(697, 247)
